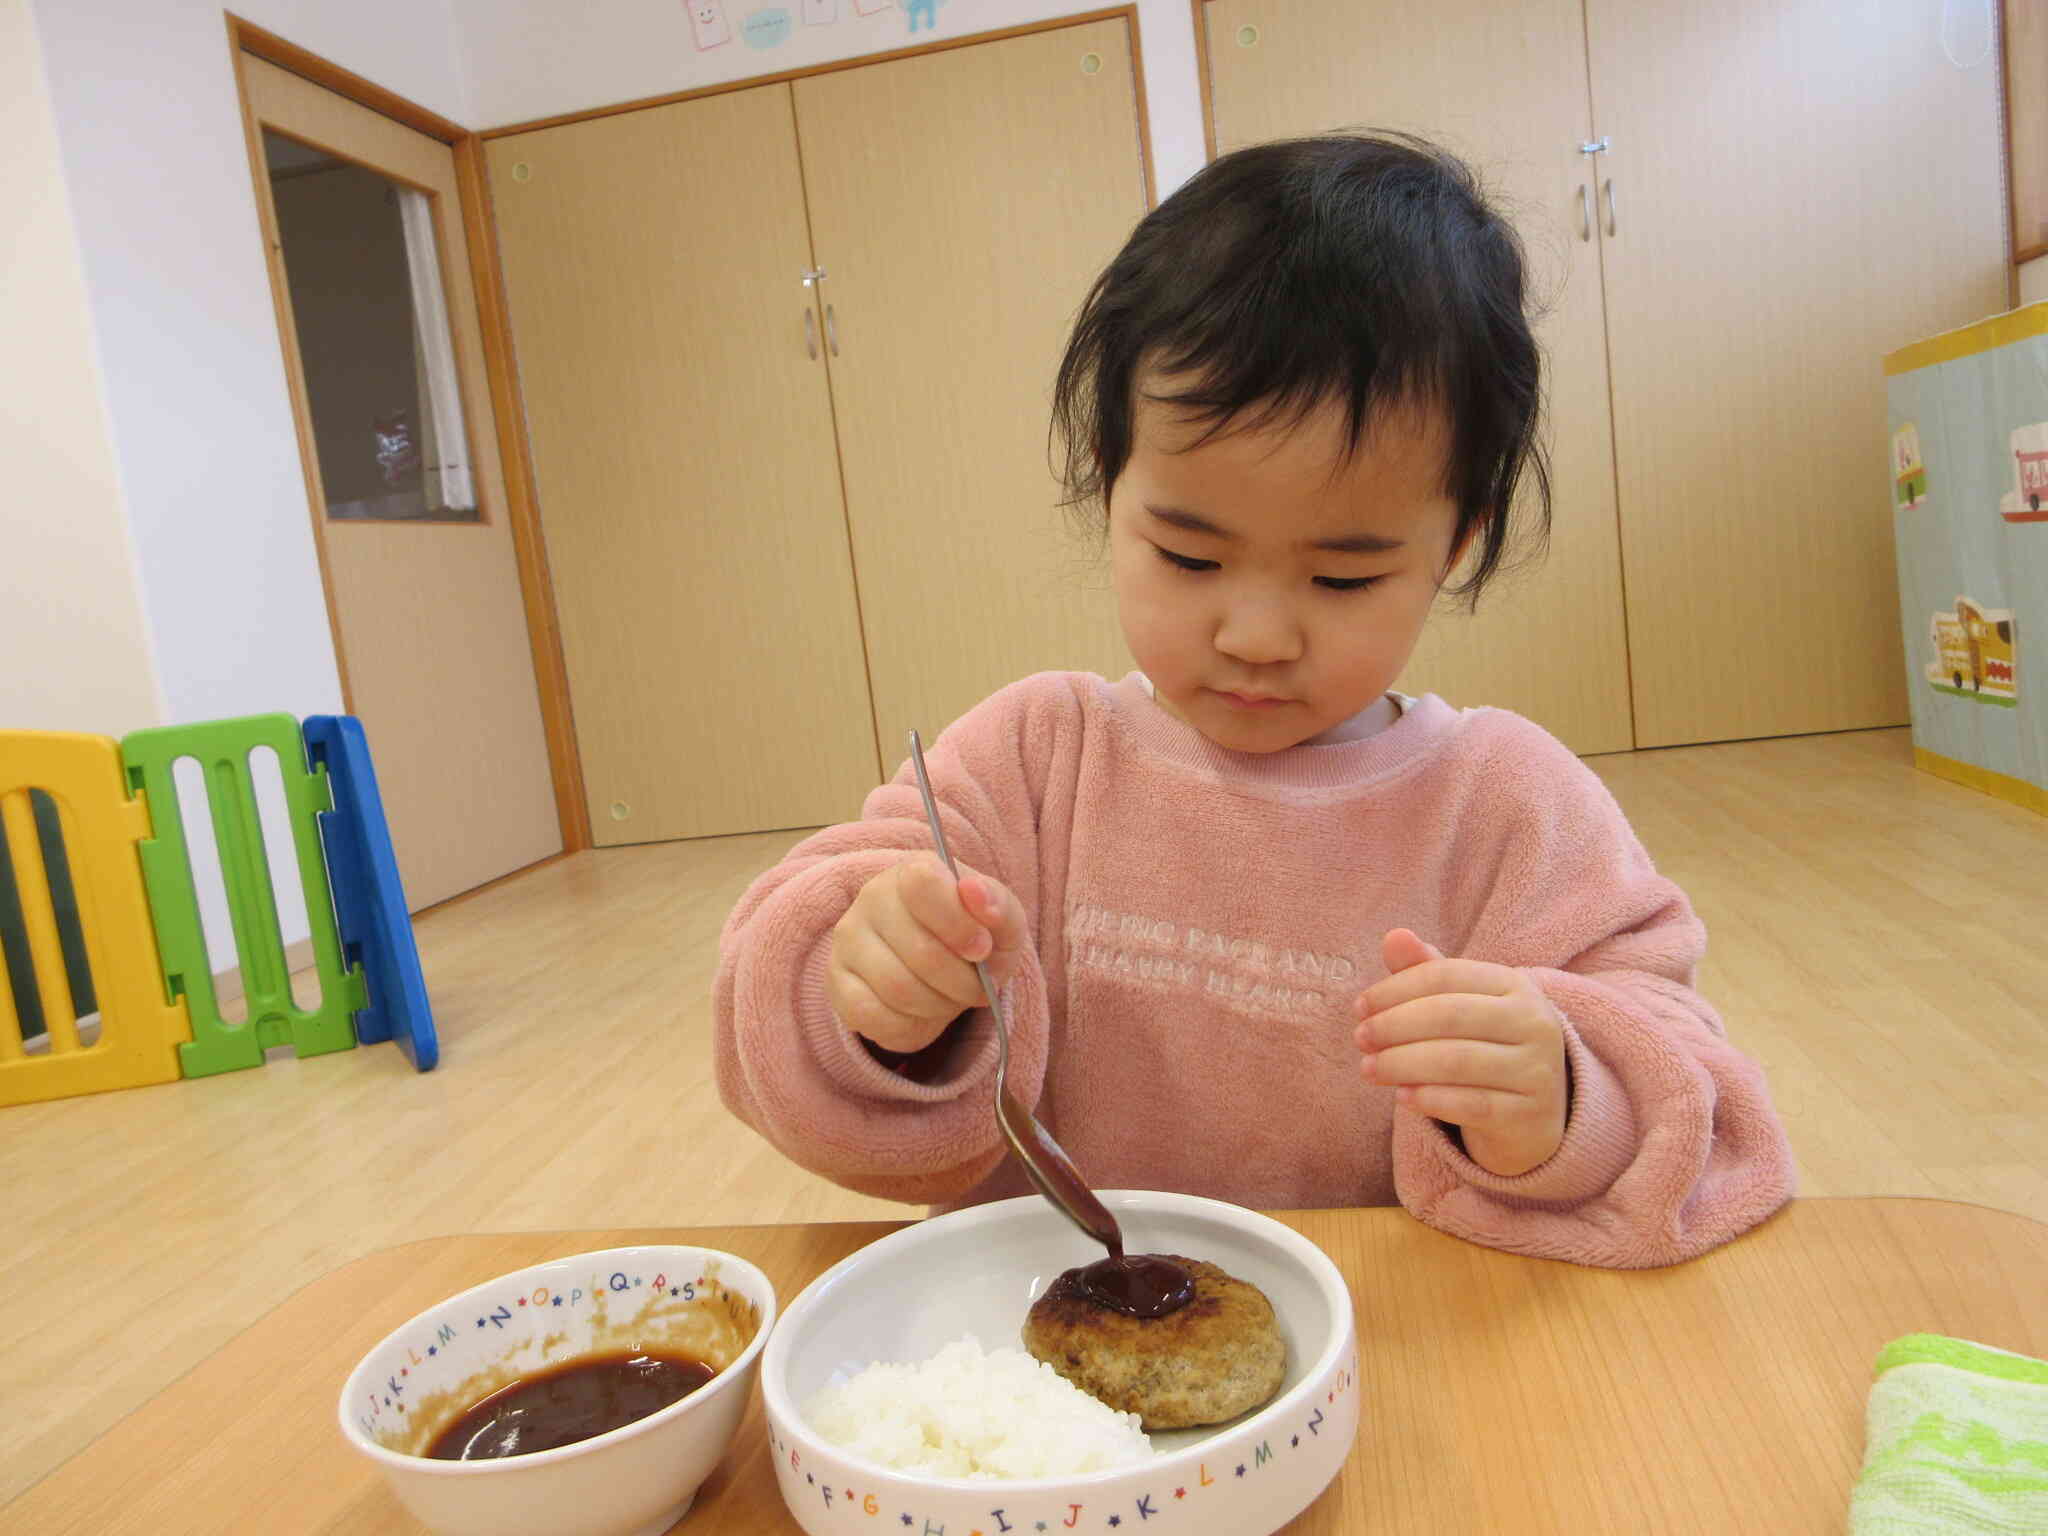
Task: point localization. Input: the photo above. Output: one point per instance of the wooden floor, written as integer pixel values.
(1877, 941)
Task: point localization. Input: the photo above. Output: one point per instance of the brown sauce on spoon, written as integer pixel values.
(1145, 1285)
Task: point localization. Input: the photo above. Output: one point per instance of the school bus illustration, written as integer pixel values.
(1909, 475)
(1976, 653)
(2023, 504)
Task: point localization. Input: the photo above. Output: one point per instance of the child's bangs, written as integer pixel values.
(1226, 388)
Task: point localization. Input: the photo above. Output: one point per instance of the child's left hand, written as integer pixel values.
(1471, 1043)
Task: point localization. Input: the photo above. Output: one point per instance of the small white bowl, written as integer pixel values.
(637, 1480)
(975, 1273)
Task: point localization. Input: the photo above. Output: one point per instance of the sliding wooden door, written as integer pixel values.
(1505, 88)
(672, 365)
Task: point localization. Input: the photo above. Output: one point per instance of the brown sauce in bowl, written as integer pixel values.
(573, 1401)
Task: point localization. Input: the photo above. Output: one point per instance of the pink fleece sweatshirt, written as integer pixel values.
(1201, 921)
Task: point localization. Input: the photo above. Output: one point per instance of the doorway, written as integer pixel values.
(384, 358)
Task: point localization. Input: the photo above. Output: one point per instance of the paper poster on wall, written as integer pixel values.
(766, 29)
(1909, 475)
(871, 7)
(707, 24)
(1976, 654)
(925, 11)
(2027, 502)
(820, 13)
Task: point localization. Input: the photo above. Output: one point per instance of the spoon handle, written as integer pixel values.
(931, 806)
(1063, 1186)
(988, 986)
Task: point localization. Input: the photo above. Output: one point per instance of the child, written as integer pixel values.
(1265, 930)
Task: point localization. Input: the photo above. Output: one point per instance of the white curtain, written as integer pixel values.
(444, 443)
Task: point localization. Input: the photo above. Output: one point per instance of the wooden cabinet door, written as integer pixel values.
(1504, 87)
(682, 439)
(962, 202)
(1799, 188)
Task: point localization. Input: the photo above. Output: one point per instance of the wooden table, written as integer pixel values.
(1501, 1394)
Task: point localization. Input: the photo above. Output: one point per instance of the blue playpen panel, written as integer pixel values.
(369, 901)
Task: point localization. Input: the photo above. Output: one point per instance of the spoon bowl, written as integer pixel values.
(1052, 1172)
(1049, 1168)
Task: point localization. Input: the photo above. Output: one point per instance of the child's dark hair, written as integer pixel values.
(1362, 268)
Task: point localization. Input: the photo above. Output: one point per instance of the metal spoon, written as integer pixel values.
(1049, 1168)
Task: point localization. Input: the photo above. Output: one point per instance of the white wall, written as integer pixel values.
(2034, 281)
(529, 59)
(73, 652)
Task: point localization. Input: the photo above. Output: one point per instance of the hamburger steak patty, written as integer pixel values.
(1213, 1359)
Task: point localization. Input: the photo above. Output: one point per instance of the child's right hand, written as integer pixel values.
(903, 956)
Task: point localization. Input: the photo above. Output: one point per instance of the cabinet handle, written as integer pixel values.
(810, 333)
(1610, 205)
(831, 331)
(1585, 213)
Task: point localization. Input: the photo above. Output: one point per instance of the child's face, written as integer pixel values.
(1251, 628)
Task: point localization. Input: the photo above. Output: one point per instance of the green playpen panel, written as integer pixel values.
(222, 750)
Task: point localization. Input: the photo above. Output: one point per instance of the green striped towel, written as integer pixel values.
(1957, 1442)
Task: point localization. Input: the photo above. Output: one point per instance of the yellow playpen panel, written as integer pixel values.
(139, 1031)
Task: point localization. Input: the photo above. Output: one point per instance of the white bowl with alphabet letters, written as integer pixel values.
(420, 1383)
(975, 1273)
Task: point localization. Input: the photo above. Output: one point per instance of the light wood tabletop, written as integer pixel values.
(1500, 1394)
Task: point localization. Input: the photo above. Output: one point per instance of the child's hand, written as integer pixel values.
(903, 956)
(1471, 1043)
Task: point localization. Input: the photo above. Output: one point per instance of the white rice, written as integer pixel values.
(965, 1413)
